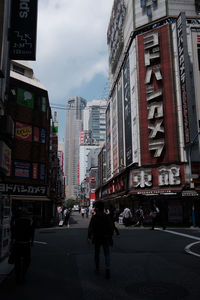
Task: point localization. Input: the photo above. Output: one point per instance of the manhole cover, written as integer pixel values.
(157, 291)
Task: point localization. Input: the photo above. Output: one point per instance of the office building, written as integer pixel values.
(74, 124)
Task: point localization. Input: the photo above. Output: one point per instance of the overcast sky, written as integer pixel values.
(72, 55)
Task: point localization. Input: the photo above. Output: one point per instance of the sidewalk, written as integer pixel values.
(5, 269)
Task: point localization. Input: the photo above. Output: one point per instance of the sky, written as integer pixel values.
(72, 52)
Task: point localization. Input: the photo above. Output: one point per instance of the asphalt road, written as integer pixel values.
(146, 265)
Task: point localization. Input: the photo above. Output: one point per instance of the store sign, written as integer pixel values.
(22, 169)
(186, 81)
(162, 176)
(154, 96)
(23, 29)
(156, 102)
(22, 189)
(147, 11)
(23, 132)
(25, 98)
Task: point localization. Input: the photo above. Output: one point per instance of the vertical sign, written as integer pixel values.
(127, 112)
(186, 81)
(120, 124)
(23, 29)
(114, 132)
(108, 143)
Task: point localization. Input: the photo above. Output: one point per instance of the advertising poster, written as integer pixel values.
(127, 112)
(22, 169)
(25, 98)
(23, 132)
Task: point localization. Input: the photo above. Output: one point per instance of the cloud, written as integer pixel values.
(71, 44)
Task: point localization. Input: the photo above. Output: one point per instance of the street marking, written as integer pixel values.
(187, 249)
(181, 234)
(43, 243)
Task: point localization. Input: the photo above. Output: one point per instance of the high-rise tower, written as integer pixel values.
(74, 124)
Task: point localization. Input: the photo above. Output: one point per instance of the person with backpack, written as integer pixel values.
(100, 232)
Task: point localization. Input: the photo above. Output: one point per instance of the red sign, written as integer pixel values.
(81, 137)
(36, 136)
(158, 124)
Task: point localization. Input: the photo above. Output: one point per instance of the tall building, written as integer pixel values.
(97, 120)
(153, 115)
(74, 124)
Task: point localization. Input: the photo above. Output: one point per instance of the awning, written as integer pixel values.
(30, 198)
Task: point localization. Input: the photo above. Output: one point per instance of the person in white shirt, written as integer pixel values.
(127, 215)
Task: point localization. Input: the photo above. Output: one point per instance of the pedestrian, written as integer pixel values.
(22, 237)
(82, 212)
(66, 216)
(140, 216)
(114, 218)
(87, 212)
(155, 215)
(100, 232)
(127, 216)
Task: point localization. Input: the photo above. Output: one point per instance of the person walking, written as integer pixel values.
(82, 212)
(127, 215)
(140, 216)
(22, 237)
(100, 232)
(155, 215)
(113, 216)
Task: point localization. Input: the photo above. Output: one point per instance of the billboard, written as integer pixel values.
(127, 112)
(158, 124)
(149, 11)
(23, 132)
(23, 31)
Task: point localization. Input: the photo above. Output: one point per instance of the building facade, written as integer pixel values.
(152, 134)
(74, 124)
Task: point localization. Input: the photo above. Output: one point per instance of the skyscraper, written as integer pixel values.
(97, 120)
(74, 124)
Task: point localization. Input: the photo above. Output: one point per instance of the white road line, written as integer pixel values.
(187, 248)
(43, 243)
(181, 234)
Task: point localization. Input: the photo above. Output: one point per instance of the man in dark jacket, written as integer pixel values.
(22, 236)
(100, 232)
